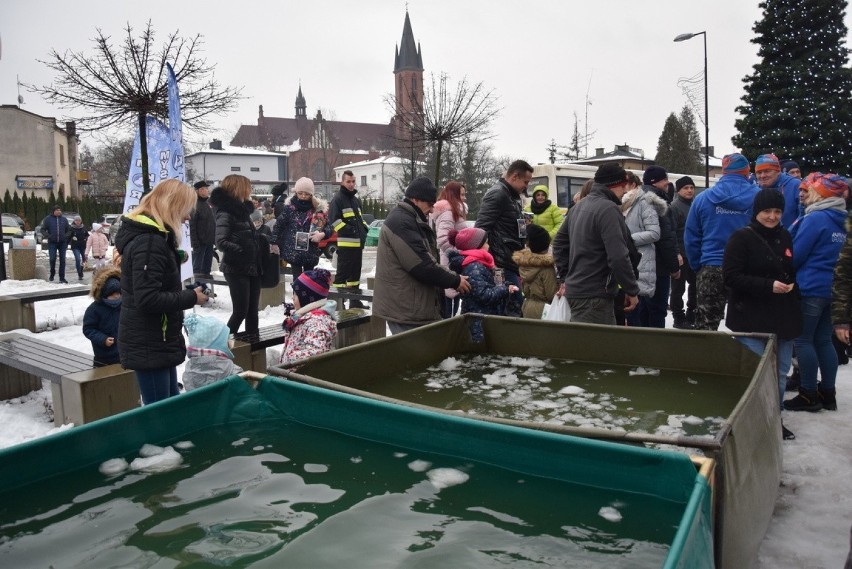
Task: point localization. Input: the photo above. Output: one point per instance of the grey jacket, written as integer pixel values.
(203, 370)
(642, 214)
(591, 248)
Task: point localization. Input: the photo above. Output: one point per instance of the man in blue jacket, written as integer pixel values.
(715, 214)
(767, 170)
(53, 228)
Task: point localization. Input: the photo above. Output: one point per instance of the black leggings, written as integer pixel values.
(245, 297)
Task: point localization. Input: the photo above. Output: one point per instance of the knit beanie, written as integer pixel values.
(422, 189)
(654, 174)
(767, 162)
(830, 185)
(610, 175)
(111, 285)
(96, 227)
(468, 238)
(256, 216)
(735, 164)
(312, 286)
(809, 179)
(788, 165)
(685, 181)
(767, 198)
(206, 332)
(304, 185)
(538, 238)
(201, 184)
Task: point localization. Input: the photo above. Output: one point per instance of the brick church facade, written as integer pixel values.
(317, 145)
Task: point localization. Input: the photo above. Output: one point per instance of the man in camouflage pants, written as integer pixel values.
(715, 214)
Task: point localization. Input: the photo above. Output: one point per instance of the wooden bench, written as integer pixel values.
(354, 327)
(366, 295)
(81, 392)
(268, 296)
(17, 310)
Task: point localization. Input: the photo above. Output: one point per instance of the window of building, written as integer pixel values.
(255, 169)
(61, 155)
(235, 168)
(374, 176)
(363, 180)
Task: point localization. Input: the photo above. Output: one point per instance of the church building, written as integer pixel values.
(316, 146)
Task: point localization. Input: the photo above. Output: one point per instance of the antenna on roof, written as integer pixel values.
(588, 104)
(20, 97)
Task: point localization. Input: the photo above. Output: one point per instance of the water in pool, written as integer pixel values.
(279, 494)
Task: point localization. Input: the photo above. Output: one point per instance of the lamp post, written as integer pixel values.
(684, 37)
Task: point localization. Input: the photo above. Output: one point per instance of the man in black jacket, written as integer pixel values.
(202, 232)
(54, 228)
(345, 215)
(501, 216)
(655, 179)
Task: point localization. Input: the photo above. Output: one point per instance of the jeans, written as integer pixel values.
(78, 261)
(783, 359)
(53, 250)
(202, 259)
(245, 297)
(157, 384)
(814, 348)
(515, 302)
(598, 310)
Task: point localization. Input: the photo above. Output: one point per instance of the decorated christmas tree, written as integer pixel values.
(797, 101)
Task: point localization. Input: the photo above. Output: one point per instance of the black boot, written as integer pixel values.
(786, 433)
(794, 380)
(804, 401)
(828, 398)
(355, 303)
(680, 321)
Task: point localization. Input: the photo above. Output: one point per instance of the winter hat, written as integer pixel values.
(830, 185)
(256, 215)
(610, 175)
(767, 198)
(207, 332)
(201, 184)
(111, 285)
(685, 181)
(78, 219)
(422, 189)
(809, 179)
(468, 238)
(540, 188)
(654, 174)
(96, 227)
(538, 238)
(735, 164)
(788, 165)
(304, 185)
(312, 286)
(767, 162)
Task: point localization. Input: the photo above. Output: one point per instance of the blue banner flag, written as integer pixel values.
(176, 165)
(158, 140)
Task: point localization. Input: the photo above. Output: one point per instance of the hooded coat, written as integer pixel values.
(294, 219)
(236, 237)
(101, 320)
(538, 275)
(313, 333)
(549, 215)
(816, 246)
(642, 213)
(152, 298)
(715, 214)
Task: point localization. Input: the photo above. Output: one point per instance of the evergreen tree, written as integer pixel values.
(679, 146)
(796, 103)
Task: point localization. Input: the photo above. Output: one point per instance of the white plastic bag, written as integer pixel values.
(558, 310)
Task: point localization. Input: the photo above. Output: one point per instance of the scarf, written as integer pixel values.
(302, 205)
(477, 256)
(539, 208)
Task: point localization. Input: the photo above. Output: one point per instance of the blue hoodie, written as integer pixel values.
(715, 214)
(816, 246)
(789, 187)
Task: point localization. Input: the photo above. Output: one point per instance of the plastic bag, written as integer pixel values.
(558, 310)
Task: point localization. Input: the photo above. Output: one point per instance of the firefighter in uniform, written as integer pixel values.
(345, 213)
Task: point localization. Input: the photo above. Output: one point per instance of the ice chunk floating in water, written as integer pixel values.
(445, 477)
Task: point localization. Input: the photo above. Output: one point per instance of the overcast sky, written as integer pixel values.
(542, 58)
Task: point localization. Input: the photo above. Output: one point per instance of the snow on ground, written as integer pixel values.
(809, 529)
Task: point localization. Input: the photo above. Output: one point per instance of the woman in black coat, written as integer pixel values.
(759, 275)
(152, 298)
(239, 244)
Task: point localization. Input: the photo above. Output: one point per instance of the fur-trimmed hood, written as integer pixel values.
(100, 279)
(222, 200)
(630, 198)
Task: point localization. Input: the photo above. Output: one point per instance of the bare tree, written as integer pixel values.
(125, 82)
(448, 116)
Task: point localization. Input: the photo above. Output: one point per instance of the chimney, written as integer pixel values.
(216, 144)
(599, 151)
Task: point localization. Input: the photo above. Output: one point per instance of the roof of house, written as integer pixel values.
(280, 132)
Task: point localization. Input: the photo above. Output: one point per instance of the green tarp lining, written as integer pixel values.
(667, 475)
(747, 448)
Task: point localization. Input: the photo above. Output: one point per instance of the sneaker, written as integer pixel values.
(63, 281)
(787, 434)
(828, 398)
(804, 401)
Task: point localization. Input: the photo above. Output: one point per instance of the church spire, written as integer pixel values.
(301, 105)
(407, 56)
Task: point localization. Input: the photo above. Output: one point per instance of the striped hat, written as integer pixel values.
(312, 286)
(830, 185)
(735, 164)
(767, 162)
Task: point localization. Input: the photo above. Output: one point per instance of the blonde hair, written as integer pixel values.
(236, 186)
(169, 203)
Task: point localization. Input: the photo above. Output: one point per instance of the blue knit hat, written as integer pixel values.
(735, 164)
(206, 332)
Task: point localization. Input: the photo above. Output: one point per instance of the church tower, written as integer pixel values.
(408, 78)
(301, 105)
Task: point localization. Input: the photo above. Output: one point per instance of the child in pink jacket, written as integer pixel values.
(97, 245)
(311, 322)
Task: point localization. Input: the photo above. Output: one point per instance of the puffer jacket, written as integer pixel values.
(201, 370)
(485, 296)
(538, 276)
(152, 298)
(76, 236)
(54, 228)
(409, 278)
(549, 216)
(293, 220)
(642, 212)
(313, 333)
(97, 244)
(236, 237)
(442, 222)
(498, 215)
(101, 320)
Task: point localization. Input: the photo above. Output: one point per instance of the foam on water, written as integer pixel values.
(445, 477)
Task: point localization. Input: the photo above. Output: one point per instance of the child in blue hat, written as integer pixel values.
(209, 351)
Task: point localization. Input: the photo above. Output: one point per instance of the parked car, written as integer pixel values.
(373, 232)
(11, 229)
(69, 215)
(17, 219)
(107, 220)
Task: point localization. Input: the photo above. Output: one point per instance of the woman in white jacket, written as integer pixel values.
(449, 212)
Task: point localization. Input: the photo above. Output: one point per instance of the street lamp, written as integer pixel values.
(684, 37)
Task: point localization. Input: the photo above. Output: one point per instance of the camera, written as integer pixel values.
(205, 288)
